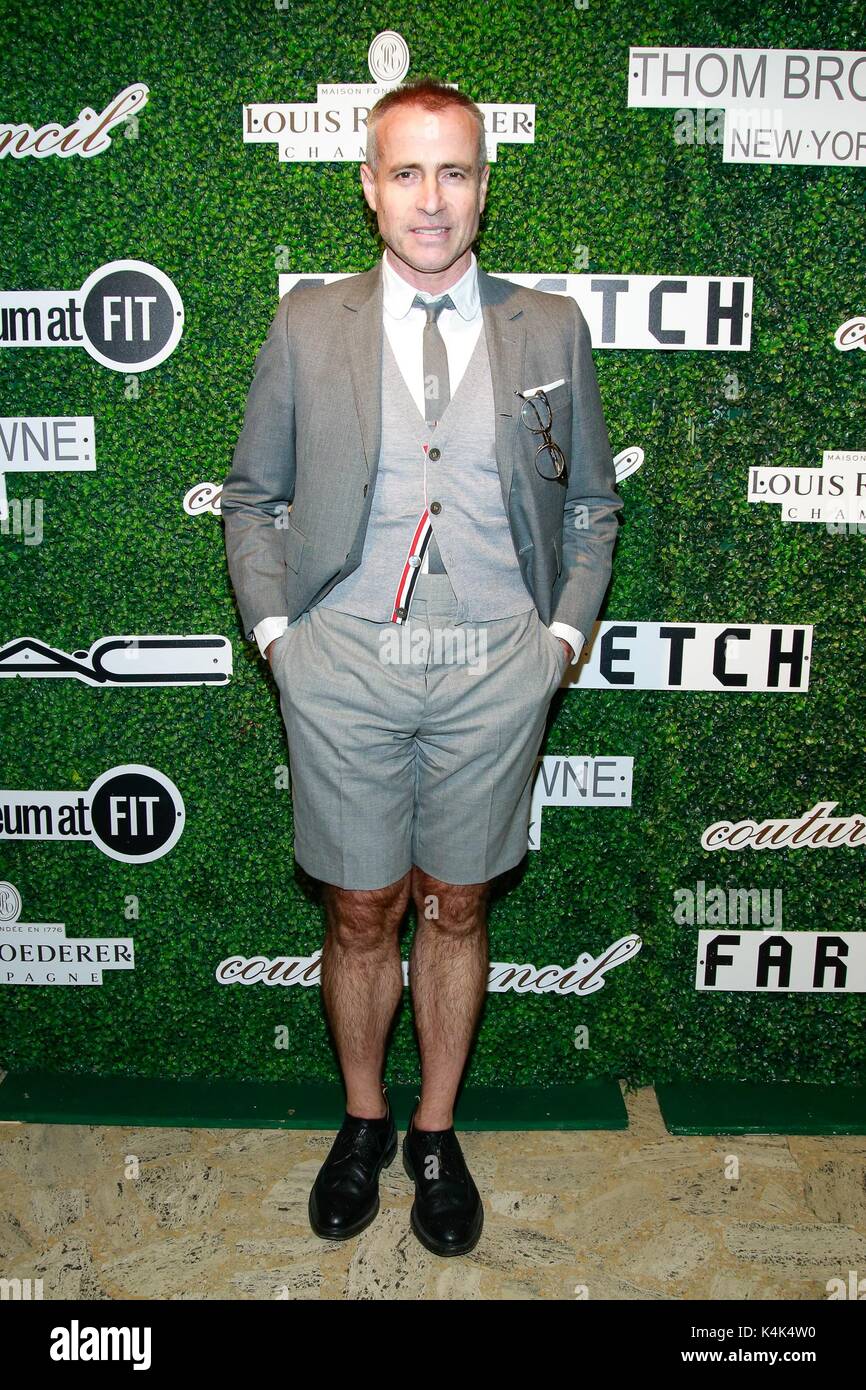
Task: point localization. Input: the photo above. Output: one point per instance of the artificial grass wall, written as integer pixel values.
(120, 555)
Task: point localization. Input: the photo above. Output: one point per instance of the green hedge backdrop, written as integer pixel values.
(120, 555)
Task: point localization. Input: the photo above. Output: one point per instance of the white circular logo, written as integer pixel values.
(388, 57)
(132, 316)
(10, 903)
(136, 813)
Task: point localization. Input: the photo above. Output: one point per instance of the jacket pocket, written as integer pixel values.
(285, 640)
(293, 546)
(560, 397)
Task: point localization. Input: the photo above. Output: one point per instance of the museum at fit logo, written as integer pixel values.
(128, 316)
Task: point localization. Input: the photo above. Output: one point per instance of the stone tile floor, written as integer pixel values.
(131, 1213)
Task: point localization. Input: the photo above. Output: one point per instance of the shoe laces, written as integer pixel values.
(449, 1180)
(356, 1149)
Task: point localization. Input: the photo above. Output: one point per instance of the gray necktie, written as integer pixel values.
(437, 389)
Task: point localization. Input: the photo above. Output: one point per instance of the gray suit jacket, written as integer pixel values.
(311, 437)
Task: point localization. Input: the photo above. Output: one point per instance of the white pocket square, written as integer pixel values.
(534, 390)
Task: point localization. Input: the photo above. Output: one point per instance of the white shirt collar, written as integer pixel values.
(398, 295)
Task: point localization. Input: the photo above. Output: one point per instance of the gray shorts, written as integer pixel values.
(413, 743)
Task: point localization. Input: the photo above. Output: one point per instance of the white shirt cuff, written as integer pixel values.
(572, 635)
(265, 632)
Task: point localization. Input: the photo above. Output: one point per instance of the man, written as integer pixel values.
(433, 508)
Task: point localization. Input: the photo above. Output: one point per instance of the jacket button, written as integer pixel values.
(365, 489)
(434, 454)
(401, 612)
(435, 508)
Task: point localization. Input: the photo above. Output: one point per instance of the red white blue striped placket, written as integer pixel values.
(409, 573)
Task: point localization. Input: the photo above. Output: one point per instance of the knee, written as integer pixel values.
(365, 918)
(458, 908)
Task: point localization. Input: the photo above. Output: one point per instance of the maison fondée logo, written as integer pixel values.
(128, 316)
(334, 126)
(40, 953)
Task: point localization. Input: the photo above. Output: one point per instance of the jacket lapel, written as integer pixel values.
(506, 349)
(364, 331)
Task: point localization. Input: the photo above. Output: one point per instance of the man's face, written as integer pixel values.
(426, 192)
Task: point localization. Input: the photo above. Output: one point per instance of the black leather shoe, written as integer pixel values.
(447, 1214)
(345, 1196)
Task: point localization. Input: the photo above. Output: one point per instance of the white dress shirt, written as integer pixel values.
(404, 324)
